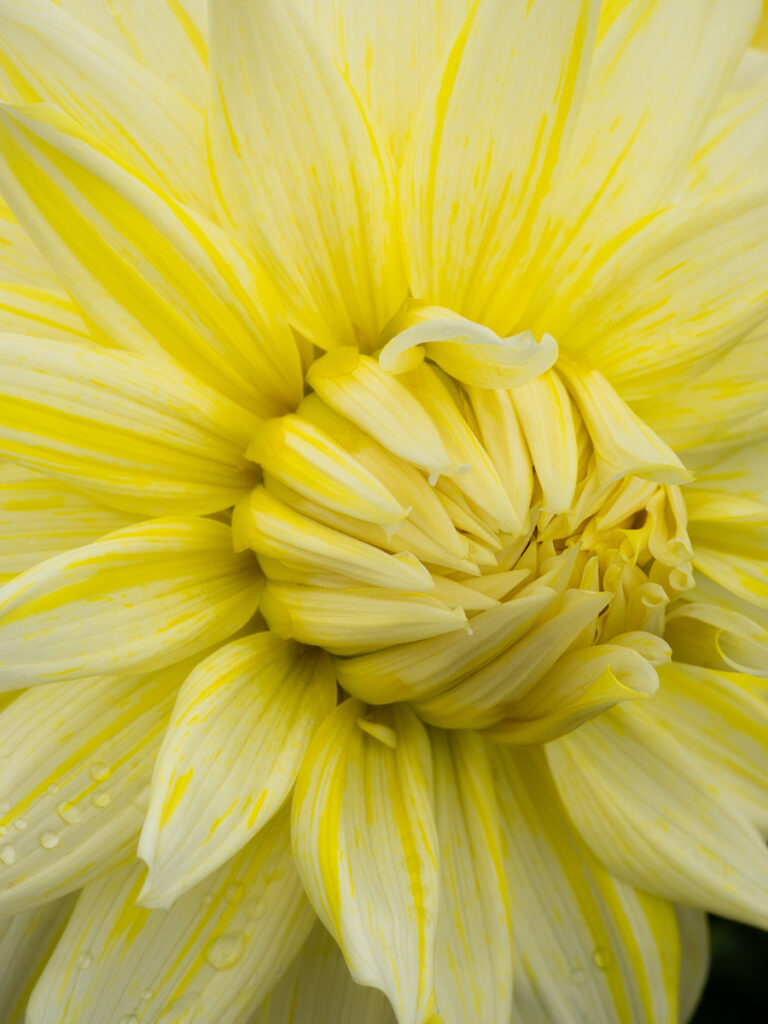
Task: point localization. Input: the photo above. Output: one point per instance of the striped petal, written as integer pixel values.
(365, 845)
(694, 958)
(39, 312)
(41, 517)
(473, 956)
(134, 434)
(21, 262)
(474, 137)
(211, 958)
(144, 596)
(639, 798)
(318, 989)
(146, 126)
(26, 942)
(300, 175)
(587, 946)
(145, 272)
(230, 756)
(167, 36)
(75, 781)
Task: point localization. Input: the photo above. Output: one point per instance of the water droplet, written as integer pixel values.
(85, 961)
(207, 900)
(101, 799)
(129, 1018)
(7, 854)
(578, 975)
(602, 958)
(48, 840)
(53, 788)
(255, 909)
(226, 951)
(69, 812)
(234, 893)
(20, 824)
(100, 771)
(146, 994)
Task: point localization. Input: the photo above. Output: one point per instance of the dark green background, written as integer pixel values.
(737, 989)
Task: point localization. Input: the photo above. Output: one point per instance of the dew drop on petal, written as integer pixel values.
(101, 798)
(20, 824)
(100, 771)
(7, 854)
(226, 951)
(84, 961)
(48, 840)
(146, 995)
(255, 909)
(69, 812)
(602, 958)
(129, 1018)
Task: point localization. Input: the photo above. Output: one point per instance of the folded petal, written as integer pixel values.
(75, 782)
(587, 946)
(229, 758)
(366, 849)
(144, 124)
(300, 174)
(142, 597)
(493, 126)
(318, 989)
(144, 271)
(134, 434)
(717, 637)
(41, 517)
(639, 798)
(26, 942)
(211, 958)
(168, 36)
(473, 956)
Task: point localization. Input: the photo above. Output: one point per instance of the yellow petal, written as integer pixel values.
(545, 412)
(272, 529)
(474, 137)
(588, 946)
(300, 175)
(229, 757)
(351, 621)
(135, 434)
(40, 312)
(720, 638)
(639, 798)
(473, 956)
(502, 437)
(26, 942)
(210, 959)
(318, 989)
(144, 596)
(694, 958)
(301, 456)
(41, 517)
(168, 36)
(366, 848)
(21, 262)
(145, 272)
(388, 51)
(79, 761)
(148, 127)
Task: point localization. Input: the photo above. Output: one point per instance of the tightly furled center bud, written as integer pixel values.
(466, 527)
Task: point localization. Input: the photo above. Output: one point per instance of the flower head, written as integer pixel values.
(382, 515)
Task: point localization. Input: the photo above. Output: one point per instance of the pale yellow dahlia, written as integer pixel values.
(384, 508)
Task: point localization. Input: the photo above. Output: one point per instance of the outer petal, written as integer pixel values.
(388, 51)
(493, 128)
(144, 596)
(141, 268)
(133, 433)
(473, 971)
(694, 958)
(167, 36)
(40, 517)
(26, 942)
(365, 845)
(230, 756)
(147, 126)
(300, 174)
(211, 959)
(588, 947)
(79, 761)
(642, 802)
(318, 989)
(658, 70)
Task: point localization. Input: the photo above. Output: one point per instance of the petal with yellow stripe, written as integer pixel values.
(300, 175)
(365, 844)
(39, 312)
(211, 958)
(26, 942)
(235, 742)
(142, 597)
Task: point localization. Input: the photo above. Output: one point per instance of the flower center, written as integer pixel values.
(470, 524)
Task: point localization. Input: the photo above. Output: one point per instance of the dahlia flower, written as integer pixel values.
(383, 529)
